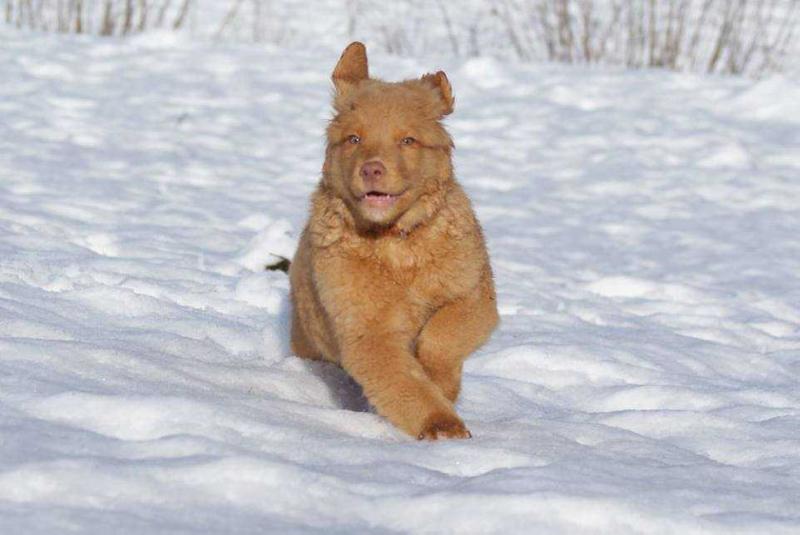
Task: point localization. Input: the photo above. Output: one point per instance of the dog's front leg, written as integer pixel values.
(396, 384)
(374, 325)
(453, 332)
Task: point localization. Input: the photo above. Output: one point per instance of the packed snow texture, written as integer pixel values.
(644, 229)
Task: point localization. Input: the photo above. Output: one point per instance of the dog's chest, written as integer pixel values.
(430, 273)
(400, 257)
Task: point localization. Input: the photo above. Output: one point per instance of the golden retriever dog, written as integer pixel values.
(391, 279)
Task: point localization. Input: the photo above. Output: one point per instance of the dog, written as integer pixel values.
(391, 279)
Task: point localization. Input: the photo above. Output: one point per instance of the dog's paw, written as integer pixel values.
(444, 426)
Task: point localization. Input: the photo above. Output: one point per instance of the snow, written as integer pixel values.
(643, 227)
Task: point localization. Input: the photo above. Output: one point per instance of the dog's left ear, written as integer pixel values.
(352, 67)
(440, 82)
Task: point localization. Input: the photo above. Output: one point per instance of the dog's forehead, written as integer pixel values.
(396, 99)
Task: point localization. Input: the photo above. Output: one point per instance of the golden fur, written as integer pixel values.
(391, 278)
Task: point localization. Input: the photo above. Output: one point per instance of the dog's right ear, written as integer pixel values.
(352, 67)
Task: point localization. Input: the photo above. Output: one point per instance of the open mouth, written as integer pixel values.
(379, 198)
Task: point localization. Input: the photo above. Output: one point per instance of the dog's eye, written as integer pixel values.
(408, 141)
(355, 140)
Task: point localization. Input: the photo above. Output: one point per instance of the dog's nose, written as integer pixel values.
(372, 172)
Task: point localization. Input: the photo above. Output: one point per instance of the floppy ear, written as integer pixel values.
(352, 67)
(440, 82)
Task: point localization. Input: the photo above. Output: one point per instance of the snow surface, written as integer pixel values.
(645, 233)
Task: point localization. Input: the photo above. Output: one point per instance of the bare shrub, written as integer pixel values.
(253, 20)
(104, 17)
(716, 36)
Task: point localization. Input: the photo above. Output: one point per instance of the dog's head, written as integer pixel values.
(388, 155)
